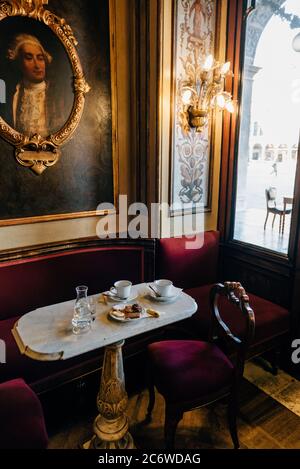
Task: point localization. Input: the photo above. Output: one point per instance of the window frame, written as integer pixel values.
(238, 13)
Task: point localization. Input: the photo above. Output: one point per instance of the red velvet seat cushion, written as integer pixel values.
(186, 267)
(185, 370)
(270, 319)
(21, 417)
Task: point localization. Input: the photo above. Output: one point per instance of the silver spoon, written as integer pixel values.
(156, 293)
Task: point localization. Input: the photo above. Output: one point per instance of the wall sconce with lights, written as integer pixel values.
(205, 94)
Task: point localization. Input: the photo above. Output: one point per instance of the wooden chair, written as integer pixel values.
(271, 194)
(191, 373)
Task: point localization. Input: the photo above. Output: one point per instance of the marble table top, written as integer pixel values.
(46, 333)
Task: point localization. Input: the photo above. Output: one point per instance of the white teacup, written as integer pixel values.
(121, 288)
(164, 287)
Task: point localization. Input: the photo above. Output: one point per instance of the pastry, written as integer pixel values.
(133, 311)
(132, 315)
(153, 313)
(118, 314)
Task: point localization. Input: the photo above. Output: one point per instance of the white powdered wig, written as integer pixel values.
(19, 41)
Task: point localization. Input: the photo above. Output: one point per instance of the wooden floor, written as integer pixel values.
(264, 423)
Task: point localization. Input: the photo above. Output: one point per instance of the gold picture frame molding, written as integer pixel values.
(37, 152)
(115, 143)
(56, 217)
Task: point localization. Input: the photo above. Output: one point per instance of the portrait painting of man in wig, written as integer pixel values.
(31, 107)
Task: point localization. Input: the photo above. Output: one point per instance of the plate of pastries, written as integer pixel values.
(125, 313)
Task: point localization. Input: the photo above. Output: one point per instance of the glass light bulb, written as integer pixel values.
(220, 101)
(186, 96)
(208, 63)
(230, 107)
(225, 68)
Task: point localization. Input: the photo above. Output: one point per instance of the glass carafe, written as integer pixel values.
(82, 318)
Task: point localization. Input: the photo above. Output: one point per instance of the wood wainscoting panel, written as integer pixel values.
(258, 274)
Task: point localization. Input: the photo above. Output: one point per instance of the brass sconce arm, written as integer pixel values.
(205, 94)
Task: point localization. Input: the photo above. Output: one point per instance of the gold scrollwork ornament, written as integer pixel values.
(37, 152)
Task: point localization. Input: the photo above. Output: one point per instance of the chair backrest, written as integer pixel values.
(236, 295)
(288, 201)
(271, 194)
(186, 263)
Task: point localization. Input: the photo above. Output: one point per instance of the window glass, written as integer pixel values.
(269, 125)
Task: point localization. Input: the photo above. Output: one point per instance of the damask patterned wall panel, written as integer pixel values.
(191, 151)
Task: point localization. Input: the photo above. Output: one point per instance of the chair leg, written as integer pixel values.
(280, 223)
(283, 223)
(232, 416)
(172, 418)
(273, 220)
(266, 220)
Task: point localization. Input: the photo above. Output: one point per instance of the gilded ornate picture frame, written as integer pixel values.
(39, 147)
(87, 173)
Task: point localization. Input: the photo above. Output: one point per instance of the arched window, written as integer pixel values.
(269, 152)
(282, 153)
(294, 152)
(257, 152)
(269, 116)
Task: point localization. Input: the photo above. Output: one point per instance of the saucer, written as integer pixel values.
(111, 297)
(164, 299)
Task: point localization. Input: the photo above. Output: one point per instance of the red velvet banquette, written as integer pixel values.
(37, 281)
